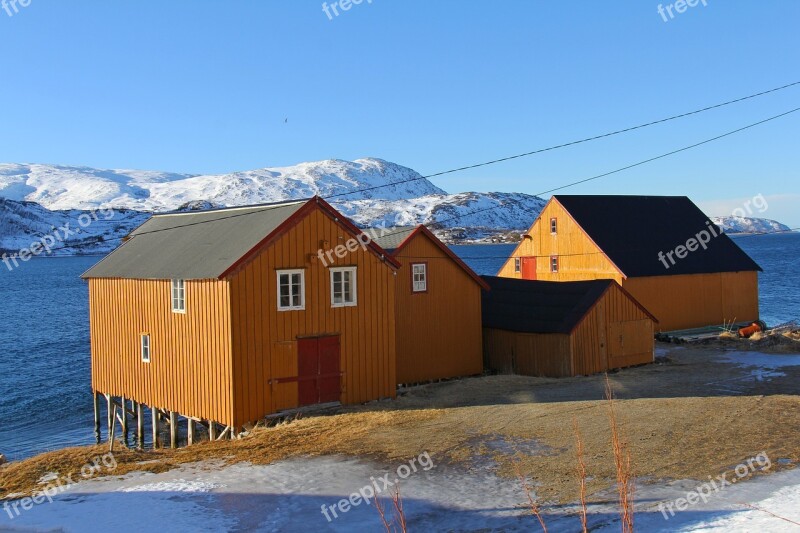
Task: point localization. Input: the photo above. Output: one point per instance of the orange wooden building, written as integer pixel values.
(225, 316)
(561, 329)
(438, 309)
(662, 249)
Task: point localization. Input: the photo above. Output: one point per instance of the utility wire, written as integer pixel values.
(573, 143)
(605, 174)
(634, 165)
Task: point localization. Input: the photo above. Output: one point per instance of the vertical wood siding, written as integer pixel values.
(696, 300)
(614, 334)
(589, 349)
(529, 354)
(190, 367)
(438, 331)
(265, 339)
(578, 257)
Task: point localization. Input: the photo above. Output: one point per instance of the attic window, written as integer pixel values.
(553, 226)
(419, 277)
(178, 296)
(517, 261)
(554, 263)
(291, 290)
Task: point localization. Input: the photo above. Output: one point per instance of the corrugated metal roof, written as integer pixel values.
(633, 230)
(529, 306)
(390, 238)
(200, 245)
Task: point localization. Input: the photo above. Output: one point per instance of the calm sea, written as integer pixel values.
(45, 395)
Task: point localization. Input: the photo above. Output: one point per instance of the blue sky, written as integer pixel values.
(206, 86)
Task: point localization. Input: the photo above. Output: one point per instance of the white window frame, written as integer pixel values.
(424, 286)
(517, 264)
(145, 347)
(178, 294)
(353, 271)
(554, 263)
(554, 226)
(291, 272)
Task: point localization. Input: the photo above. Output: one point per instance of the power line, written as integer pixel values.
(572, 143)
(598, 176)
(634, 165)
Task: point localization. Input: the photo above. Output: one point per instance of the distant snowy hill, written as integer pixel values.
(749, 225)
(61, 187)
(358, 188)
(35, 200)
(23, 223)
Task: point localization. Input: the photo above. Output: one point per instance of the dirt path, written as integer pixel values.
(691, 416)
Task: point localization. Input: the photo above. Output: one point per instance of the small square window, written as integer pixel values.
(517, 262)
(178, 296)
(554, 226)
(419, 277)
(145, 347)
(291, 290)
(343, 287)
(554, 263)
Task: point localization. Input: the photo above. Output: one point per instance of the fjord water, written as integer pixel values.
(45, 392)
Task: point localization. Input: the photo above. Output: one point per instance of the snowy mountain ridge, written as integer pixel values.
(37, 198)
(65, 187)
(733, 225)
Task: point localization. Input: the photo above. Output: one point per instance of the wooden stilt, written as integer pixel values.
(96, 398)
(155, 428)
(212, 430)
(124, 422)
(110, 415)
(139, 426)
(173, 429)
(190, 431)
(113, 429)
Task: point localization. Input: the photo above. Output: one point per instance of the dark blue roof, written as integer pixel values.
(632, 230)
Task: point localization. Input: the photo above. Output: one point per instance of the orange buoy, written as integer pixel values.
(755, 327)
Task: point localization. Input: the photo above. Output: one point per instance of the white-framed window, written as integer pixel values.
(144, 343)
(554, 263)
(291, 290)
(178, 296)
(343, 287)
(419, 277)
(554, 226)
(517, 264)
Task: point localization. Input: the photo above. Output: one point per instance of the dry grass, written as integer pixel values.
(346, 434)
(581, 470)
(622, 462)
(691, 435)
(739, 428)
(765, 341)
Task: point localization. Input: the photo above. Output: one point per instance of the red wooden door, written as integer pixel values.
(329, 383)
(318, 372)
(528, 268)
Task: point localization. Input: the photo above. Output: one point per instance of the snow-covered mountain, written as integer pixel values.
(42, 197)
(71, 231)
(749, 225)
(62, 187)
(35, 200)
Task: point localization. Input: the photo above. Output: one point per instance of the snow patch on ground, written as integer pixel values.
(289, 496)
(179, 485)
(762, 366)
